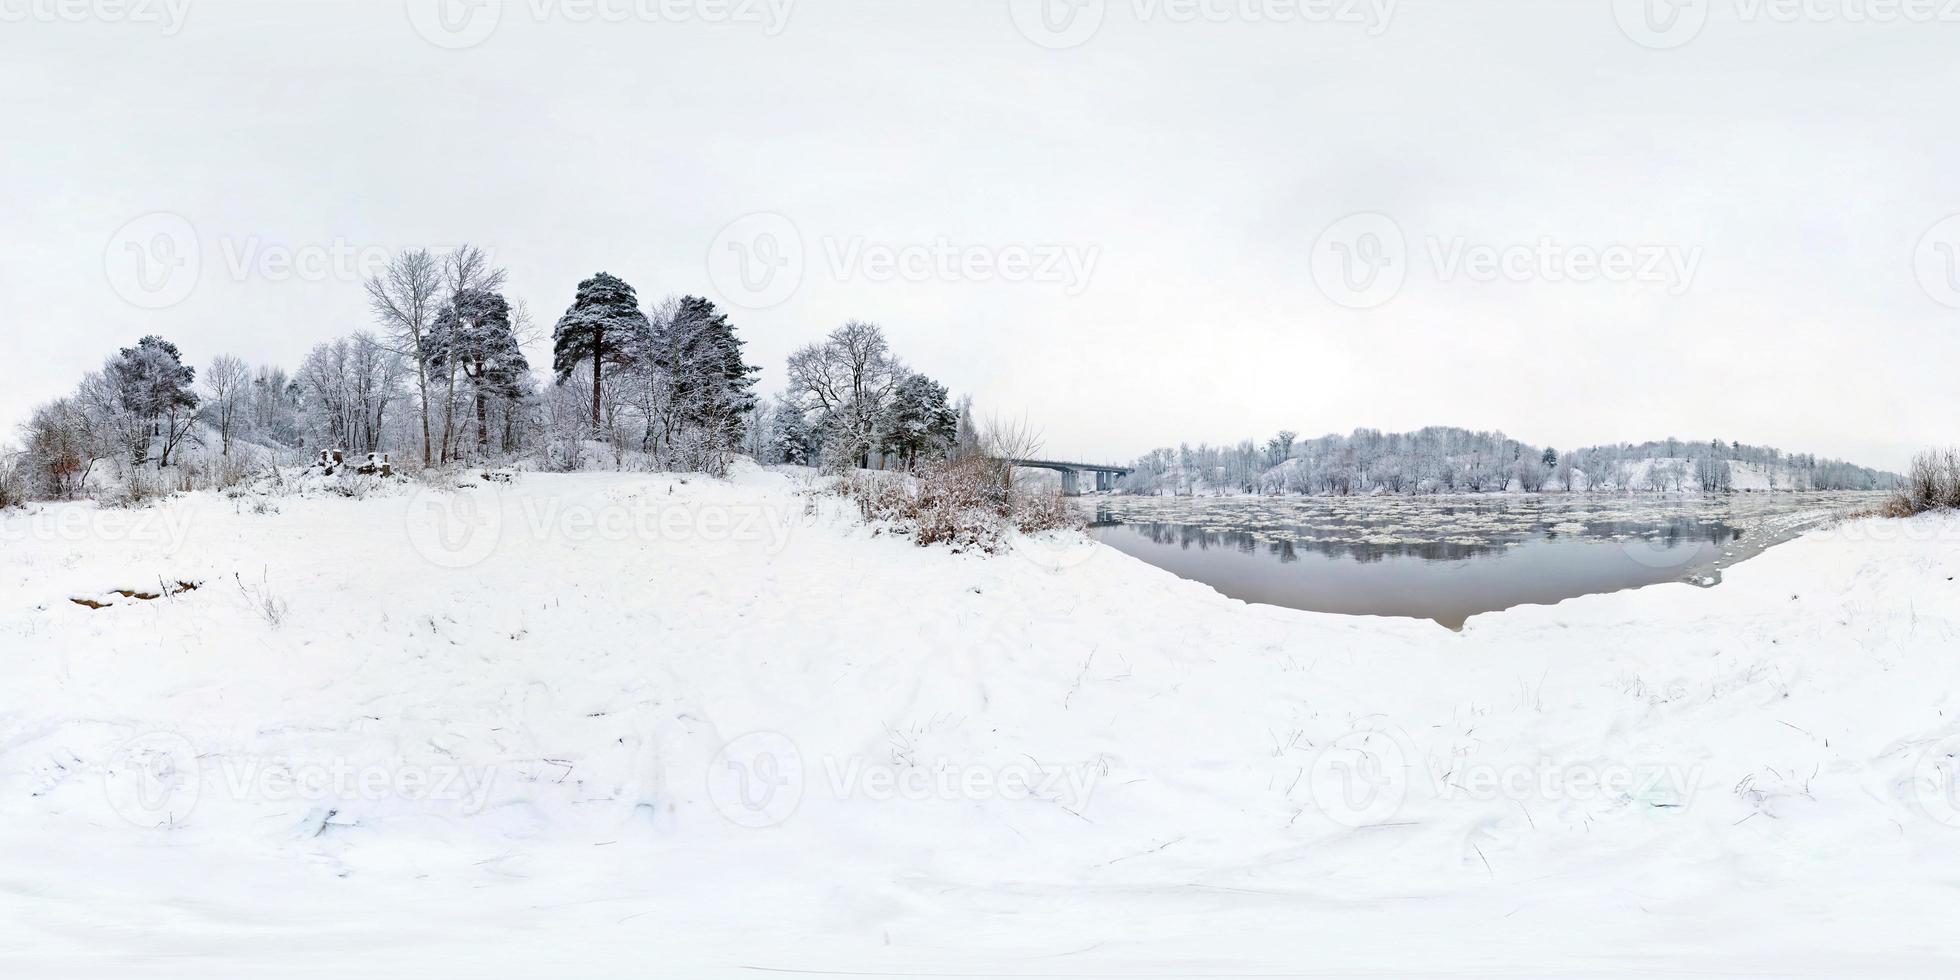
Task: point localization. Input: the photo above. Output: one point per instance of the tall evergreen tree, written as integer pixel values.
(476, 332)
(918, 423)
(791, 440)
(604, 325)
(709, 388)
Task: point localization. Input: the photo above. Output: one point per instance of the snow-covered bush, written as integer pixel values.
(13, 485)
(140, 488)
(1932, 482)
(224, 472)
(967, 504)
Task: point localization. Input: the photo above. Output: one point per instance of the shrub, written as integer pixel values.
(966, 504)
(141, 488)
(1931, 483)
(13, 483)
(225, 472)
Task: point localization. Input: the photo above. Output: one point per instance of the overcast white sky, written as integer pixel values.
(1191, 168)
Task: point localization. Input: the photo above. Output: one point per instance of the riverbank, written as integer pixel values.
(621, 725)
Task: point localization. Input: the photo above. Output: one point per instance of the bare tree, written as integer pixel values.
(226, 383)
(1006, 441)
(406, 297)
(849, 377)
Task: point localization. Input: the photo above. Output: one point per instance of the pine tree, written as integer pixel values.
(708, 389)
(604, 325)
(918, 423)
(791, 439)
(475, 331)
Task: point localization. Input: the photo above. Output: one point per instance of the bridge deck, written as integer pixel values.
(1052, 464)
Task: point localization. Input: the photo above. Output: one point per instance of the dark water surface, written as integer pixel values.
(1449, 558)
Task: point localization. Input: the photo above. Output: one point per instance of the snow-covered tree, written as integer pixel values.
(918, 424)
(406, 298)
(603, 326)
(346, 388)
(701, 390)
(475, 341)
(63, 446)
(790, 438)
(151, 383)
(846, 380)
(227, 386)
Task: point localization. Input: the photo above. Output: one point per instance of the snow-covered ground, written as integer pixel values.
(631, 725)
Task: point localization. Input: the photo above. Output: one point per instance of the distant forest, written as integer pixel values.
(1443, 460)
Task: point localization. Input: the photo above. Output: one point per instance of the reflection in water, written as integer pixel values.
(1441, 559)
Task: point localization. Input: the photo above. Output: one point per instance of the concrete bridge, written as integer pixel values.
(1106, 476)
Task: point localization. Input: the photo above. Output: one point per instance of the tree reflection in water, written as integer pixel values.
(1442, 559)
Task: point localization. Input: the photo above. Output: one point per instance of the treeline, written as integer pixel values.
(1444, 460)
(442, 378)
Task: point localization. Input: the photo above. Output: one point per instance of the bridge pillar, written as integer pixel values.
(1071, 483)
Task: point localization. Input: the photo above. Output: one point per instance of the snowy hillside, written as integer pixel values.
(1442, 460)
(539, 729)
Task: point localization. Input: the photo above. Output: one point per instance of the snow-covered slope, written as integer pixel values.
(612, 725)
